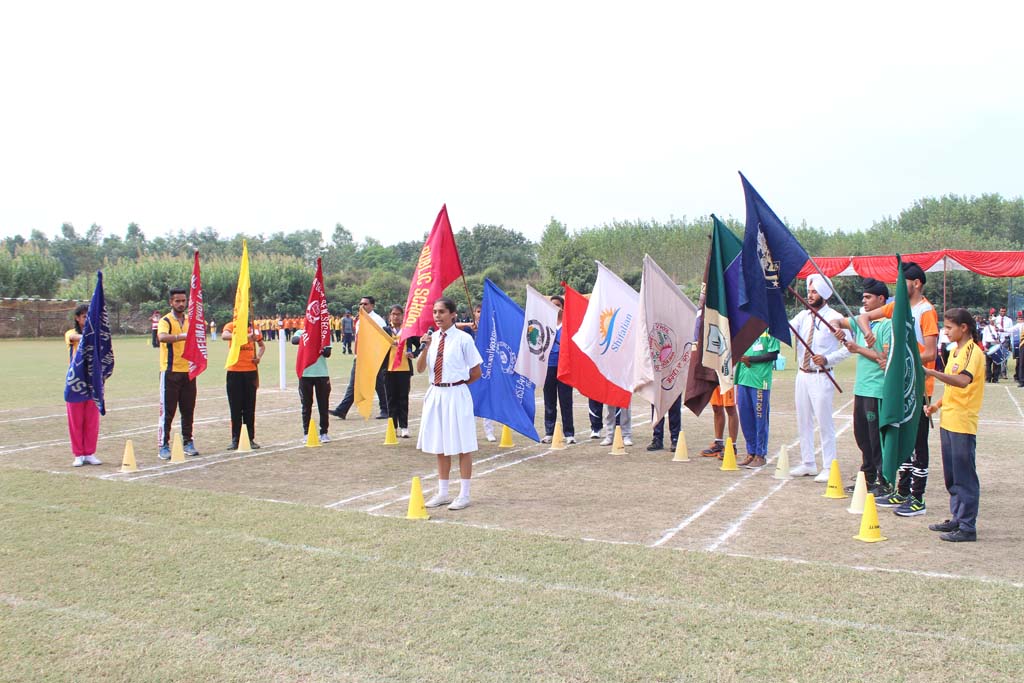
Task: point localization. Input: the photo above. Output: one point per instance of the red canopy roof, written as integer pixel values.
(988, 263)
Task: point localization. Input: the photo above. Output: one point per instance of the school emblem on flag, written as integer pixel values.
(498, 350)
(539, 336)
(769, 265)
(662, 344)
(613, 335)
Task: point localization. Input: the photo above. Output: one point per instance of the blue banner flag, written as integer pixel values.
(772, 258)
(93, 362)
(501, 394)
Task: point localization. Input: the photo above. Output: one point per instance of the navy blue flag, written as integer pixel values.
(501, 394)
(772, 258)
(93, 362)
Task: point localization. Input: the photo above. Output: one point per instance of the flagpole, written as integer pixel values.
(836, 291)
(468, 297)
(281, 360)
(806, 346)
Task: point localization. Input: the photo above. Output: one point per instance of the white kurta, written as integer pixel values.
(814, 390)
(447, 425)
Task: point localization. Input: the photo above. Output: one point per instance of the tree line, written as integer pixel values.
(140, 270)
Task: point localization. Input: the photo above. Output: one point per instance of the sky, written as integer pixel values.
(258, 117)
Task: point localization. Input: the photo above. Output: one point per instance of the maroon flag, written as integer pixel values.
(438, 266)
(317, 333)
(195, 340)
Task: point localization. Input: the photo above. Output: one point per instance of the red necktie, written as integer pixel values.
(439, 360)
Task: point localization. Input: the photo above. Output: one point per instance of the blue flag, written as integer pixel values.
(772, 258)
(93, 362)
(501, 394)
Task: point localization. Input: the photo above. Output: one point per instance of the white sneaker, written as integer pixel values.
(79, 461)
(595, 434)
(803, 470)
(822, 477)
(92, 460)
(570, 439)
(460, 503)
(606, 441)
(490, 437)
(325, 438)
(404, 433)
(437, 501)
(546, 439)
(627, 441)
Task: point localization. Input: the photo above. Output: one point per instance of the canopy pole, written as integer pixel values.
(945, 264)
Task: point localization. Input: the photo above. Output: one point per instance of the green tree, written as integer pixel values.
(494, 245)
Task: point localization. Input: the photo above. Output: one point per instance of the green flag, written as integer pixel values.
(902, 400)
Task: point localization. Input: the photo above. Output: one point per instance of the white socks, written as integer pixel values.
(464, 488)
(442, 488)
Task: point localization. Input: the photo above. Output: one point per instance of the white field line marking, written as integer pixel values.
(734, 528)
(635, 598)
(1013, 398)
(668, 535)
(109, 410)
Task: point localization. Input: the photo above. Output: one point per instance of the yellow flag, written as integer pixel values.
(372, 347)
(240, 337)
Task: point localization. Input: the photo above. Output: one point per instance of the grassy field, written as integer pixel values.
(294, 564)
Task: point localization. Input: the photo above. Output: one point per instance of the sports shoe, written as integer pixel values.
(655, 446)
(713, 450)
(959, 536)
(595, 434)
(757, 463)
(325, 437)
(822, 477)
(606, 441)
(190, 448)
(92, 460)
(546, 439)
(747, 460)
(570, 439)
(404, 433)
(338, 414)
(460, 503)
(165, 453)
(80, 460)
(945, 527)
(803, 470)
(880, 491)
(627, 441)
(382, 416)
(893, 501)
(490, 437)
(912, 507)
(233, 446)
(437, 500)
(252, 444)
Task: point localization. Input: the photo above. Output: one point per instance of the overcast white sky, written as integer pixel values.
(259, 117)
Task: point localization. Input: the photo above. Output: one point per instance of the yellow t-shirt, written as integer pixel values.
(170, 354)
(72, 345)
(960, 407)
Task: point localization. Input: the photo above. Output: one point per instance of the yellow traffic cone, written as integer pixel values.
(244, 445)
(177, 449)
(312, 435)
(506, 437)
(835, 482)
(870, 532)
(558, 438)
(390, 437)
(417, 510)
(682, 455)
(618, 447)
(729, 459)
(128, 462)
(860, 491)
(782, 466)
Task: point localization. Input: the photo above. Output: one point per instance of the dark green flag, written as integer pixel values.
(903, 389)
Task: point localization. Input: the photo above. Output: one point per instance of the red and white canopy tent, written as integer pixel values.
(987, 263)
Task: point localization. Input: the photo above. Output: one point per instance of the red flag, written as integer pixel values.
(195, 340)
(438, 266)
(575, 368)
(317, 334)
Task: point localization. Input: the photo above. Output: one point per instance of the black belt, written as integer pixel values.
(816, 372)
(449, 384)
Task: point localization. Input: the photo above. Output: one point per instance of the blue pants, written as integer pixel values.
(961, 477)
(675, 416)
(752, 405)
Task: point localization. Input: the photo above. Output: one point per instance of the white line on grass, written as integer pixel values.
(109, 410)
(734, 528)
(1012, 398)
(668, 535)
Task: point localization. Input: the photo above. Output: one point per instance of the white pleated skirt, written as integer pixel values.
(447, 425)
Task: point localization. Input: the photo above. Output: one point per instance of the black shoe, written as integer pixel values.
(656, 446)
(948, 525)
(959, 536)
(338, 414)
(233, 446)
(253, 445)
(879, 491)
(383, 417)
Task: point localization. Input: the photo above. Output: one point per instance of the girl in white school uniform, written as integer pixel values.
(447, 426)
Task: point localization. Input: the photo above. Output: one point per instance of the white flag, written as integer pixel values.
(608, 332)
(667, 322)
(538, 337)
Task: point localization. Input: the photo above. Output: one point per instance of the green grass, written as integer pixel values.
(113, 581)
